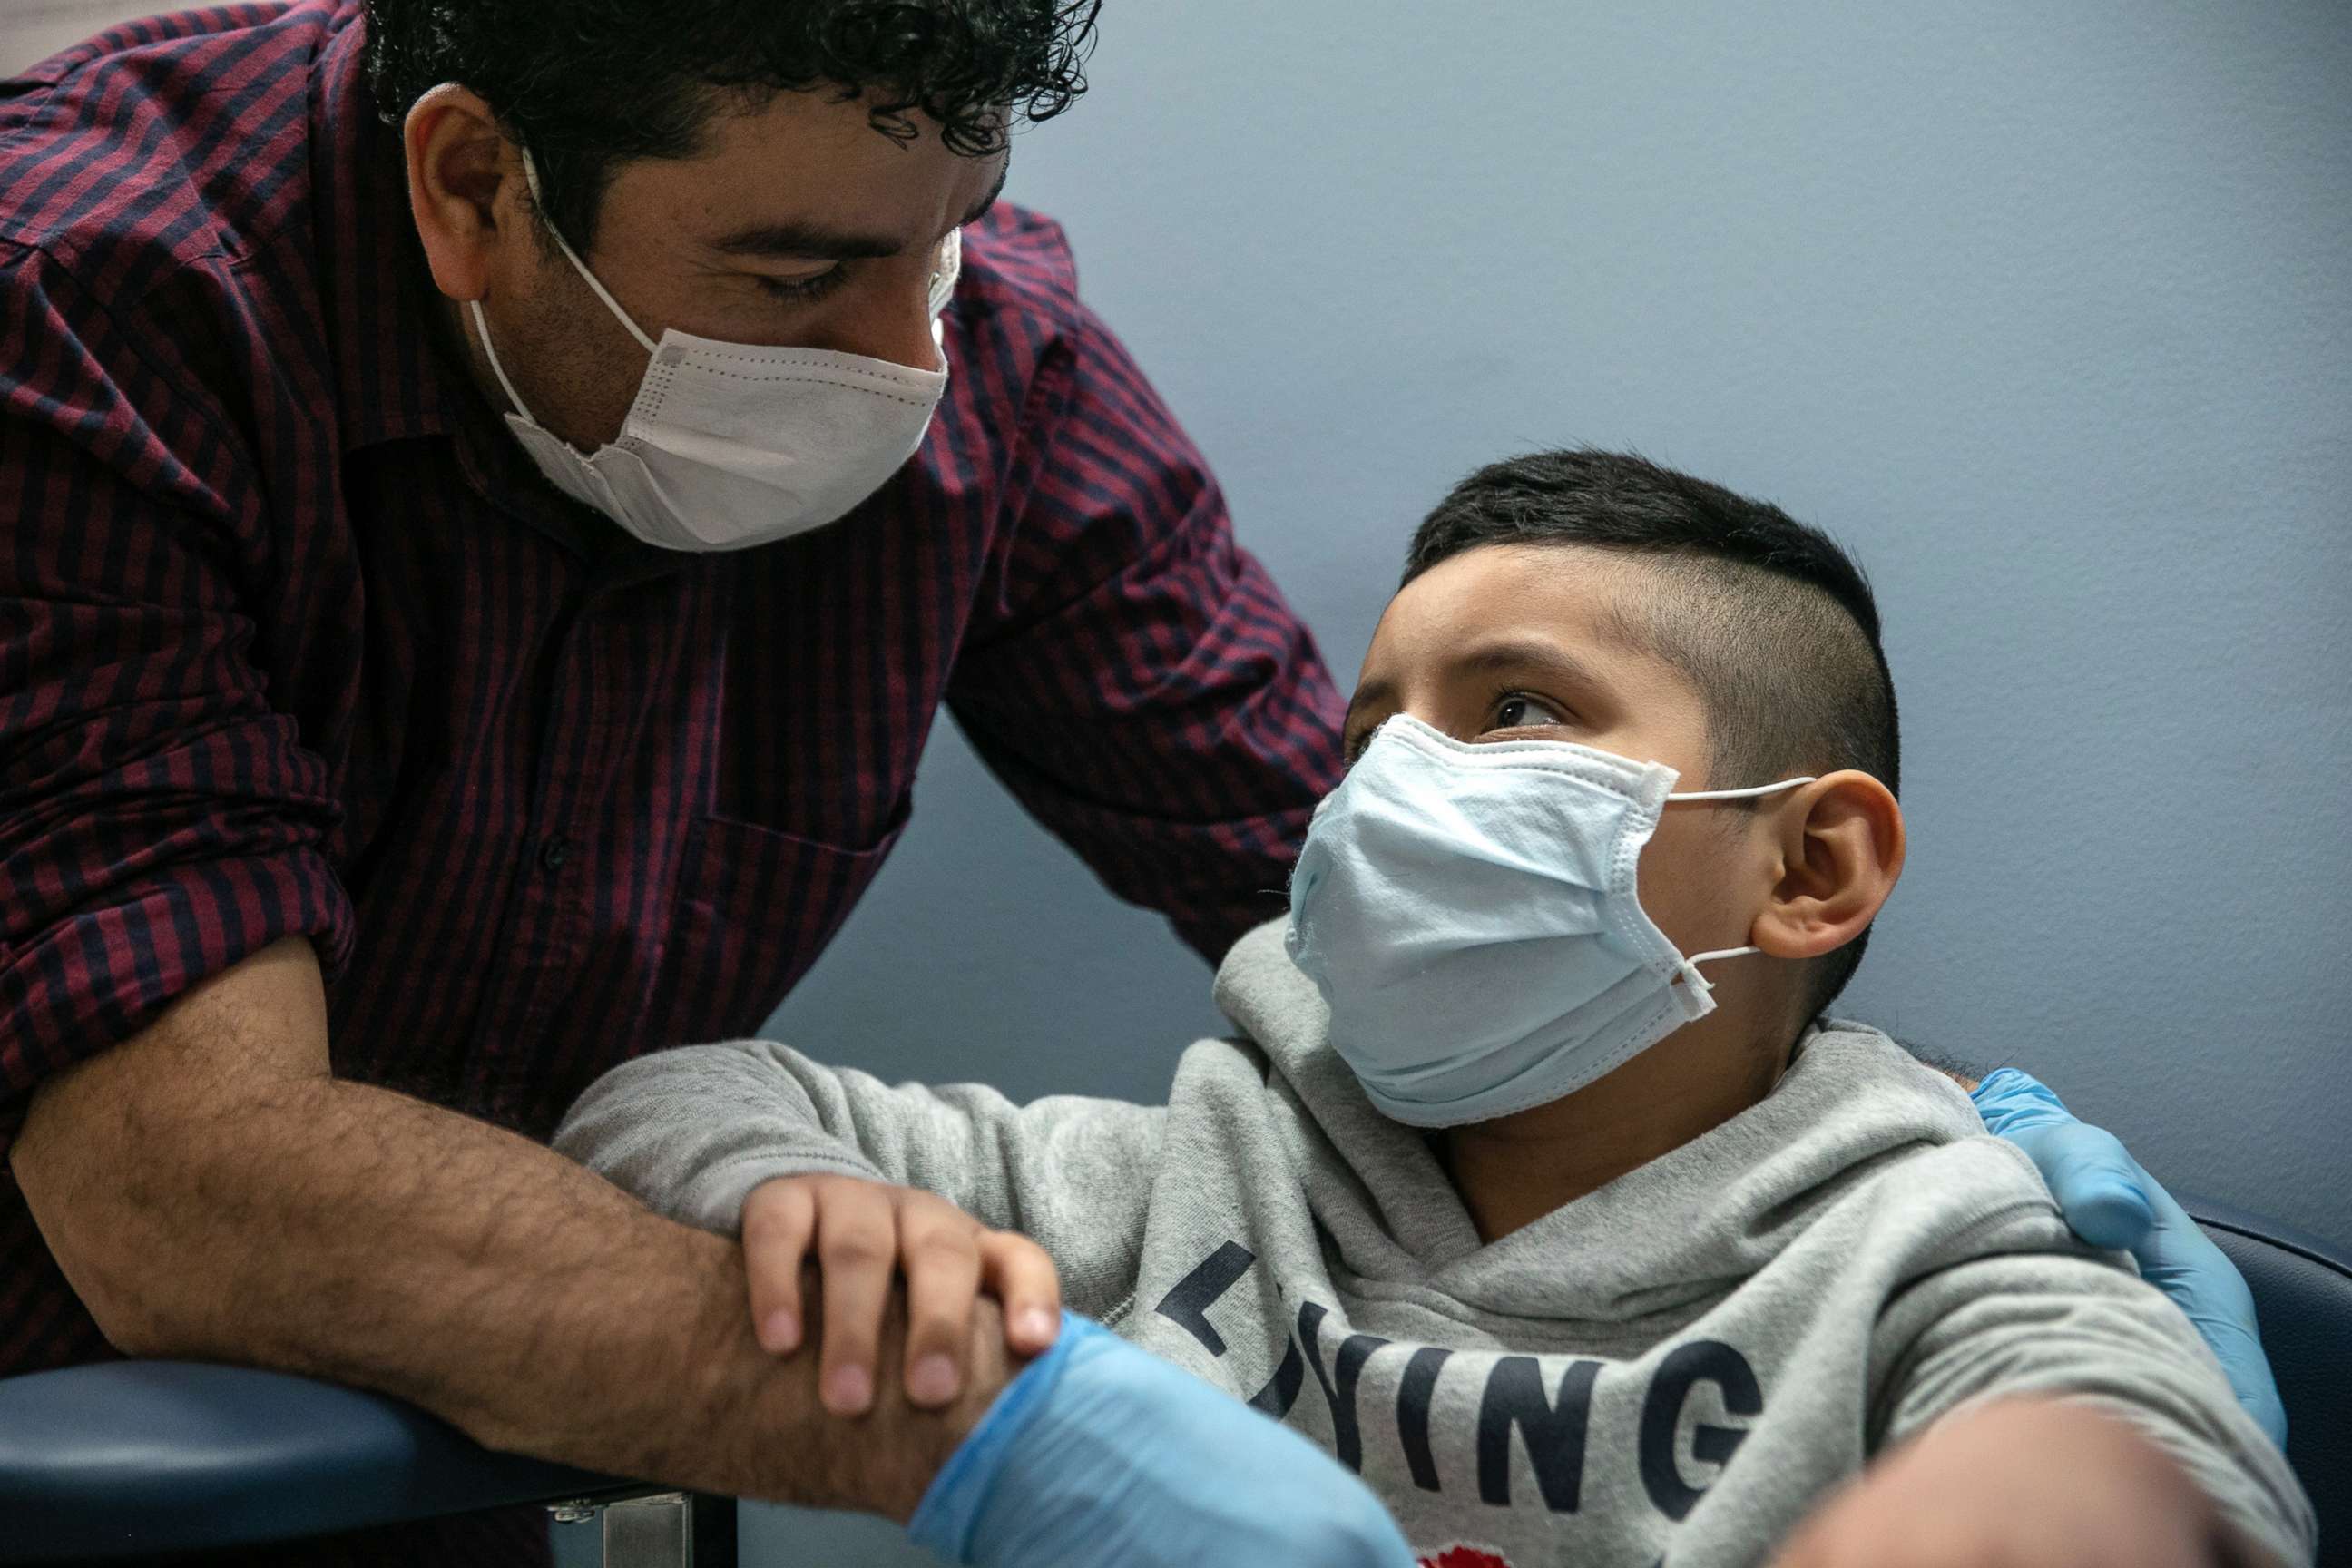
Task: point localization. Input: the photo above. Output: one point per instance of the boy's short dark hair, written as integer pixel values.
(1771, 621)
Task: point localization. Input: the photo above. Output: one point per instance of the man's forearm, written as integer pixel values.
(358, 1235)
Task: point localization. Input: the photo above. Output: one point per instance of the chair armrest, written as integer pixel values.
(118, 1457)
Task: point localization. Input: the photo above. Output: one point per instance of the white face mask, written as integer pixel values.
(1469, 914)
(732, 445)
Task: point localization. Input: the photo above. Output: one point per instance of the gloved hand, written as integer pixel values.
(2111, 1201)
(1099, 1452)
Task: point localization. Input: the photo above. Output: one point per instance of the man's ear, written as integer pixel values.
(1841, 842)
(465, 188)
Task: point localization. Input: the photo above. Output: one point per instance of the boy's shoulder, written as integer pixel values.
(1856, 1103)
(1886, 1163)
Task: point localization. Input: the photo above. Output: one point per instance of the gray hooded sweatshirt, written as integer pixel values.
(1676, 1367)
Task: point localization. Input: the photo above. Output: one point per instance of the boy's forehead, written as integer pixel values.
(1565, 592)
(1571, 624)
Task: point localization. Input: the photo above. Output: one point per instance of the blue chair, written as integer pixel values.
(2303, 1294)
(127, 1456)
(122, 1458)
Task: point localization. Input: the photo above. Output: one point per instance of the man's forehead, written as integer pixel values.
(809, 174)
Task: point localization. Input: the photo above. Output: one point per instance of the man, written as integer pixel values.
(468, 616)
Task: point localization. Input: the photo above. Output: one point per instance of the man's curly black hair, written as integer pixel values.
(586, 84)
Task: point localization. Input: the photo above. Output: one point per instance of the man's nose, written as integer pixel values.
(893, 323)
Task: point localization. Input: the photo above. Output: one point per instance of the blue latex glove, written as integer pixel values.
(2111, 1201)
(1099, 1452)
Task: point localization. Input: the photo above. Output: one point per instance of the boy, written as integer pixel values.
(1574, 1247)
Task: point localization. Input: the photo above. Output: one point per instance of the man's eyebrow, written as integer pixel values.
(814, 242)
(807, 241)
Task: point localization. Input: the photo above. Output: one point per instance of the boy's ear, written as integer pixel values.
(1841, 842)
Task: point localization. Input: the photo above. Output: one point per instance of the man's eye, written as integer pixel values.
(1519, 712)
(801, 290)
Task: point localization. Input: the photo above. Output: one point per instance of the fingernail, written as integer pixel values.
(1037, 1326)
(932, 1380)
(849, 1390)
(780, 1330)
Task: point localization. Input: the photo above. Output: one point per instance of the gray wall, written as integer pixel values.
(34, 29)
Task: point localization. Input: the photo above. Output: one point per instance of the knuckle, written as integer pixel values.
(928, 1212)
(853, 1247)
(940, 1246)
(1012, 1251)
(780, 1193)
(772, 1221)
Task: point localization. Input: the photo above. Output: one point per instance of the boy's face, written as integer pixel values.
(1516, 643)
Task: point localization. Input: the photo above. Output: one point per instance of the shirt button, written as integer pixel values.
(553, 851)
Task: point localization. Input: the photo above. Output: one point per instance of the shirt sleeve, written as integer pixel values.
(2077, 1329)
(159, 819)
(1139, 681)
(693, 1130)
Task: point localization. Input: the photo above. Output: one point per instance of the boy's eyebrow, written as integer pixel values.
(1522, 653)
(1518, 653)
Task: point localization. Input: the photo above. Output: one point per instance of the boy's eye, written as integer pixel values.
(1520, 712)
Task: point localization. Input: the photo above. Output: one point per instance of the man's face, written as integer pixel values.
(797, 224)
(1515, 643)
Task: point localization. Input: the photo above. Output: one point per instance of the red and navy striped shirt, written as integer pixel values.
(294, 640)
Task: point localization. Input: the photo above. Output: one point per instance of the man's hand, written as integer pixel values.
(2018, 1483)
(865, 1235)
(2111, 1201)
(213, 1193)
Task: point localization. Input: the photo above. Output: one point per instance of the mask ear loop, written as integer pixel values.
(531, 179)
(482, 328)
(482, 325)
(1747, 794)
(1689, 970)
(1690, 964)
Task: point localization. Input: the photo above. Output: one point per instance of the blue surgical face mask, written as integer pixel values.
(1469, 914)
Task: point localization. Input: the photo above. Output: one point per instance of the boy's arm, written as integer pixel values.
(2036, 1325)
(694, 1129)
(2030, 1482)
